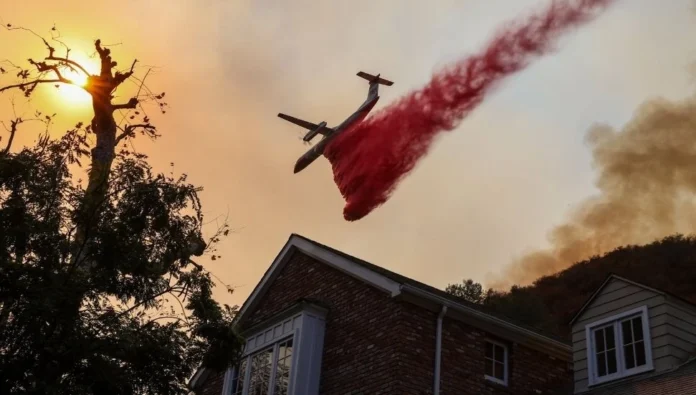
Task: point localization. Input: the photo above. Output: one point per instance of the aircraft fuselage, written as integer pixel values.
(318, 149)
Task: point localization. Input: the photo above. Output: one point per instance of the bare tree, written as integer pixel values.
(102, 89)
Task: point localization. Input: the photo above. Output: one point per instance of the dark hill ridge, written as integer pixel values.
(668, 265)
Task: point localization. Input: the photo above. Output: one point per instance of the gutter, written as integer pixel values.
(540, 339)
(438, 350)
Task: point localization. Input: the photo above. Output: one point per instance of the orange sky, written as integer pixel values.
(486, 194)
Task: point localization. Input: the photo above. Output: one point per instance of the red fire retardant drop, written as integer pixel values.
(371, 159)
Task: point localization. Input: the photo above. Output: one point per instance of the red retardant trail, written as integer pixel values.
(371, 159)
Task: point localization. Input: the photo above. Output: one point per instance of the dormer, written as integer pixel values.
(628, 331)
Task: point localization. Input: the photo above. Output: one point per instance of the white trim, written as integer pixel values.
(334, 260)
(193, 381)
(487, 317)
(305, 327)
(438, 350)
(604, 284)
(227, 381)
(506, 363)
(615, 322)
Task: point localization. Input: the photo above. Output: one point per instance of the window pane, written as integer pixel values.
(260, 372)
(611, 362)
(627, 332)
(629, 358)
(499, 371)
(283, 368)
(609, 337)
(638, 328)
(640, 353)
(489, 350)
(499, 353)
(601, 365)
(489, 368)
(238, 385)
(285, 349)
(599, 340)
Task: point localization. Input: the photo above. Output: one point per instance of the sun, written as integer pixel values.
(75, 95)
(72, 93)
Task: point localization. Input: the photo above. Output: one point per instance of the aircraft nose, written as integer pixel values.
(298, 166)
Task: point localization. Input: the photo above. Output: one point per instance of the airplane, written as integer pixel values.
(330, 133)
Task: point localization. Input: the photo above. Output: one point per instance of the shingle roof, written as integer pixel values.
(414, 283)
(679, 381)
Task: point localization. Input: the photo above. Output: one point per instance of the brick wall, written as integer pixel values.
(462, 364)
(376, 345)
(357, 343)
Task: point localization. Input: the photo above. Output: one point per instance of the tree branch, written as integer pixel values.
(13, 131)
(129, 131)
(69, 62)
(105, 57)
(34, 83)
(132, 103)
(120, 77)
(164, 318)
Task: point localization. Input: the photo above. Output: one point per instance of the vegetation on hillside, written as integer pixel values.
(551, 301)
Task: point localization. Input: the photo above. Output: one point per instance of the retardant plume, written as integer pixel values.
(647, 182)
(371, 159)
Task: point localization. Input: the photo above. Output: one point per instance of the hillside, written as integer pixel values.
(668, 264)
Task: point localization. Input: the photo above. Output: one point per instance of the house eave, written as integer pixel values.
(488, 323)
(295, 244)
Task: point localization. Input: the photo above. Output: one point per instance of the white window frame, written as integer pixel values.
(304, 323)
(616, 321)
(506, 362)
(274, 363)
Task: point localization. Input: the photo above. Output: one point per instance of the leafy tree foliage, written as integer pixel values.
(516, 304)
(99, 290)
(141, 319)
(468, 290)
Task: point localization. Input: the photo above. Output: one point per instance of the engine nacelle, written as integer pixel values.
(309, 136)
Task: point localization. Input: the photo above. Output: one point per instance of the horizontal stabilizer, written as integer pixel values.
(374, 78)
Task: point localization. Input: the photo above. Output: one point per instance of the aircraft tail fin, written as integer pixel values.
(374, 78)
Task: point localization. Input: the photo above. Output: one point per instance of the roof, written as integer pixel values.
(677, 381)
(417, 284)
(387, 280)
(612, 276)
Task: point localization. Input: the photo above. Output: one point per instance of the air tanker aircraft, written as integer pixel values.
(330, 133)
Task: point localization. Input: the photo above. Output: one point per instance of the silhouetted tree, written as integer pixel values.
(99, 290)
(468, 290)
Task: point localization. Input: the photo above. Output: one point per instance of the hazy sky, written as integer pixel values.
(486, 194)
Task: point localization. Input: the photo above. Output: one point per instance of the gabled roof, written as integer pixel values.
(611, 277)
(396, 285)
(390, 282)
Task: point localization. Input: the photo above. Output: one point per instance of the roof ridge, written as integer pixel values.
(429, 288)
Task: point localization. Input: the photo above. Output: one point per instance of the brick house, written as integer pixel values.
(323, 322)
(631, 339)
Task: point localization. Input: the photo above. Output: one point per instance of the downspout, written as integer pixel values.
(438, 350)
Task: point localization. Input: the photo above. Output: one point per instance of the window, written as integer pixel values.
(272, 362)
(496, 362)
(619, 346)
(282, 356)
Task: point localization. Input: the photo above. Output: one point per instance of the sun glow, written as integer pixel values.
(75, 94)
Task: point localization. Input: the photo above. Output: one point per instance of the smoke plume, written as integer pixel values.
(371, 159)
(647, 181)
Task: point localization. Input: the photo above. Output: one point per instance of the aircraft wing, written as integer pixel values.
(299, 122)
